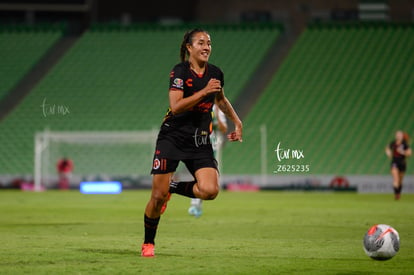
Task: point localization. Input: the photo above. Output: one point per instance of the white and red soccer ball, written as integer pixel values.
(381, 242)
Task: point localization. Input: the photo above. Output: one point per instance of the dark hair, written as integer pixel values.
(406, 137)
(188, 39)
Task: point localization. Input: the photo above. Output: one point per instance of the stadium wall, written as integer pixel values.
(238, 183)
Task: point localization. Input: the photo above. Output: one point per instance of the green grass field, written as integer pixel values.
(266, 232)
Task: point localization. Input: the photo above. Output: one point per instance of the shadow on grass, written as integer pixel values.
(111, 251)
(124, 252)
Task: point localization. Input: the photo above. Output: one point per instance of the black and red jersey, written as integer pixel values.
(183, 78)
(395, 148)
(187, 135)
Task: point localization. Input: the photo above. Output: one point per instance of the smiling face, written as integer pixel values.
(200, 47)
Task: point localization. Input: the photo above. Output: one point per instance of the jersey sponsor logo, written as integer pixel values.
(203, 107)
(178, 83)
(189, 82)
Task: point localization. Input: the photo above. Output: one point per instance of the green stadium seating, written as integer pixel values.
(339, 96)
(20, 49)
(116, 78)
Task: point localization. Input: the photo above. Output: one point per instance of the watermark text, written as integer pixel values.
(53, 109)
(284, 154)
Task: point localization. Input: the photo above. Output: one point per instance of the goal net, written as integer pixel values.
(96, 156)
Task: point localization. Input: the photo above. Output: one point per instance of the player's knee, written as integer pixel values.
(159, 198)
(209, 192)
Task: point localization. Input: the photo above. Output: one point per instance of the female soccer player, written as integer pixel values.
(397, 151)
(195, 85)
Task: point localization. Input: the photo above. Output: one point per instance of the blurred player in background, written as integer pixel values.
(195, 86)
(217, 137)
(398, 150)
(64, 168)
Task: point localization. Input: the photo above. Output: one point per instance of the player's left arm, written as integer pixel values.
(222, 125)
(408, 152)
(221, 119)
(405, 150)
(225, 106)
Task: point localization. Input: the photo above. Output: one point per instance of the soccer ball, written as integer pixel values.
(381, 242)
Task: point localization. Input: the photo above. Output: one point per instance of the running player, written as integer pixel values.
(195, 85)
(398, 150)
(217, 141)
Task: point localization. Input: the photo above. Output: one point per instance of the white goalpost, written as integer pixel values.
(95, 154)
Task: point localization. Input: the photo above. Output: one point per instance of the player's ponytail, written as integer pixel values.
(406, 137)
(188, 39)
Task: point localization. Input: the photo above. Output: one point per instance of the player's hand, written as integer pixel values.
(213, 86)
(236, 135)
(401, 151)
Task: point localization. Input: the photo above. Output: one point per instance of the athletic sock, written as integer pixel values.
(196, 202)
(150, 226)
(184, 188)
(395, 190)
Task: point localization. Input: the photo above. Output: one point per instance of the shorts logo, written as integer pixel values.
(156, 164)
(160, 164)
(178, 83)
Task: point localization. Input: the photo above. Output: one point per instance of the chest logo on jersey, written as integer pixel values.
(189, 82)
(203, 107)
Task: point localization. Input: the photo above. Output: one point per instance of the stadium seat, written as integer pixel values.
(339, 96)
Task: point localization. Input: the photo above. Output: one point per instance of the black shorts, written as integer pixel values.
(164, 165)
(400, 165)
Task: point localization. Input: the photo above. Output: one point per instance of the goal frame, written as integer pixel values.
(43, 139)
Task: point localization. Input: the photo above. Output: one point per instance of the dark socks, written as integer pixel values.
(150, 226)
(397, 190)
(184, 188)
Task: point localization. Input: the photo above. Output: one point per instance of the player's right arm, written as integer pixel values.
(388, 151)
(180, 104)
